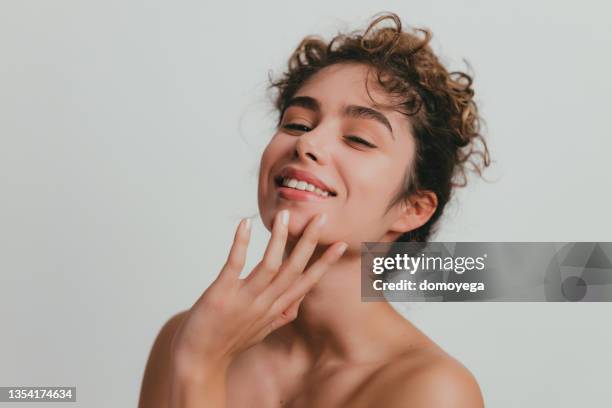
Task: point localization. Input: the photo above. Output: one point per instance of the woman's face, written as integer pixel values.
(335, 152)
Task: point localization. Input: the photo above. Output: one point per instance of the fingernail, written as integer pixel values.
(285, 217)
(322, 219)
(247, 223)
(342, 248)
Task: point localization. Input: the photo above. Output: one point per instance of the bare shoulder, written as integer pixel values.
(154, 391)
(426, 378)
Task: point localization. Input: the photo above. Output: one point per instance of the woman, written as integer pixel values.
(373, 133)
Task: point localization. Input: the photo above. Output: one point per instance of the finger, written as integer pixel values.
(237, 255)
(265, 271)
(295, 264)
(291, 312)
(287, 316)
(311, 276)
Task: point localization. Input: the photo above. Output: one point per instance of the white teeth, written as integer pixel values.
(304, 186)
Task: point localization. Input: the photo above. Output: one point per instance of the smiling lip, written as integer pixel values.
(292, 172)
(301, 195)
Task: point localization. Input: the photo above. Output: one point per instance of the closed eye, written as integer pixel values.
(359, 140)
(297, 126)
(351, 138)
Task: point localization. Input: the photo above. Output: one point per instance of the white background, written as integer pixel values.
(130, 133)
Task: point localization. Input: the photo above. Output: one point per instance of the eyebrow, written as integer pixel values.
(354, 111)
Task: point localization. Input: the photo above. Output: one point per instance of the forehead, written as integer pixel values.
(344, 84)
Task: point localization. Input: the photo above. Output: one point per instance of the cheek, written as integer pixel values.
(370, 189)
(358, 216)
(271, 159)
(271, 154)
(265, 168)
(372, 185)
(278, 147)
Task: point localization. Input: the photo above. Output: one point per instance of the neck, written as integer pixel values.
(335, 326)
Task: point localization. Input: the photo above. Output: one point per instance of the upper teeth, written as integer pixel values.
(302, 185)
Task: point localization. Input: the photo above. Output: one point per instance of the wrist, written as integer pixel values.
(191, 368)
(196, 385)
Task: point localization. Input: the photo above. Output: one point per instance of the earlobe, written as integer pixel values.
(415, 211)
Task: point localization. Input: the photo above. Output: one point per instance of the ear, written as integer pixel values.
(415, 211)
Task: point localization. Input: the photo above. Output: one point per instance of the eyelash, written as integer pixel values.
(303, 128)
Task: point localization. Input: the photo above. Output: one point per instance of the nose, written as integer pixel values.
(313, 146)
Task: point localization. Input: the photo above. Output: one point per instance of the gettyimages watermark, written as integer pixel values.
(486, 271)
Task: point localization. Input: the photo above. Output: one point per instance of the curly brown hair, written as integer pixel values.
(443, 115)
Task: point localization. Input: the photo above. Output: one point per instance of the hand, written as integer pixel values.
(233, 314)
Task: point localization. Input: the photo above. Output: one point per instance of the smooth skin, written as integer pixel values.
(294, 332)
